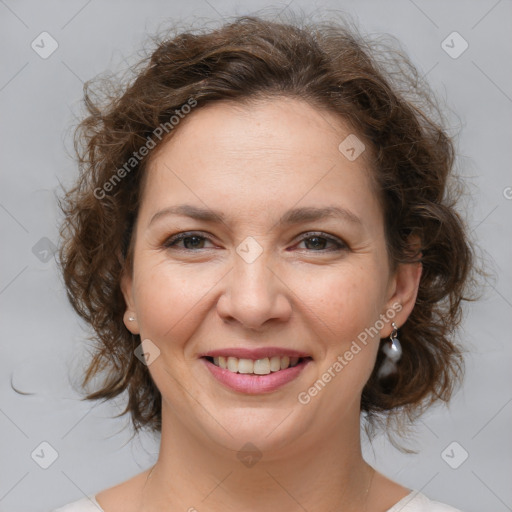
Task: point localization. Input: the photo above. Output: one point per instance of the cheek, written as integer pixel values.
(169, 298)
(343, 307)
(346, 300)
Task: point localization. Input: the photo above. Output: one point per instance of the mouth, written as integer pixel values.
(255, 376)
(263, 366)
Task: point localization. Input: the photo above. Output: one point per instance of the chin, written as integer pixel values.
(267, 428)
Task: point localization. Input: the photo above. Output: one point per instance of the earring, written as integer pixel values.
(393, 351)
(131, 318)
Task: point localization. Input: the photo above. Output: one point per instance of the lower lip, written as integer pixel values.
(255, 384)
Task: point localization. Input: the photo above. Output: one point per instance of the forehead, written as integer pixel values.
(268, 154)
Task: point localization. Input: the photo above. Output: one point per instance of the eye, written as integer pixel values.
(191, 241)
(318, 241)
(315, 242)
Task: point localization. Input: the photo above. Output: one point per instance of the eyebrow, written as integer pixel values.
(294, 216)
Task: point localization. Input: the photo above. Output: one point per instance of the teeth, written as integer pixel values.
(245, 366)
(262, 366)
(256, 367)
(233, 364)
(275, 363)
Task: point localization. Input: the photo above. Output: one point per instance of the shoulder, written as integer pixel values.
(418, 502)
(121, 497)
(88, 504)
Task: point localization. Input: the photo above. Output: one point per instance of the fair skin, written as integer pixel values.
(253, 163)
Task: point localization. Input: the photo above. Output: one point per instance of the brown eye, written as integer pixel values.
(191, 241)
(318, 243)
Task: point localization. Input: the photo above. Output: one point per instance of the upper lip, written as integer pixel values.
(254, 353)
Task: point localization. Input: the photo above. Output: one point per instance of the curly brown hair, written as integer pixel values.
(377, 91)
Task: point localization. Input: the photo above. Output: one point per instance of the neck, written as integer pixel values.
(315, 475)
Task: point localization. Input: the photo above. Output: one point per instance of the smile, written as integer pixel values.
(262, 366)
(257, 376)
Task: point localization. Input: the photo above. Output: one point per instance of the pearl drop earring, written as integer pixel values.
(393, 351)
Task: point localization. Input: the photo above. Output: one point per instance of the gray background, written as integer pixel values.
(42, 338)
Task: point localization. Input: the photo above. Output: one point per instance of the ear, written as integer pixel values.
(403, 290)
(130, 315)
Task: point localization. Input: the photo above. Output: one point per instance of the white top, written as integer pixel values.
(415, 501)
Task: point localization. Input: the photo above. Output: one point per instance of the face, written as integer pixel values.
(258, 240)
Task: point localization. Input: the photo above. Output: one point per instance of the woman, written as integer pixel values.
(263, 239)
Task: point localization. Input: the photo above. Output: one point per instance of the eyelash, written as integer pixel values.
(340, 245)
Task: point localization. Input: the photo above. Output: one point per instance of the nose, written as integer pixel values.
(255, 295)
